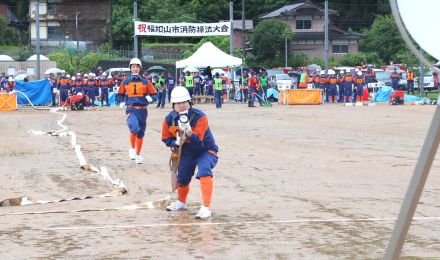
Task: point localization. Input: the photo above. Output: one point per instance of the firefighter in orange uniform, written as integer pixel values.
(137, 90)
(410, 81)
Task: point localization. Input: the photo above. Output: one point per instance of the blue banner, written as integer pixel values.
(38, 92)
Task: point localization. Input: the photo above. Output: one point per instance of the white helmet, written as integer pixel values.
(78, 74)
(359, 73)
(10, 79)
(331, 72)
(90, 74)
(135, 61)
(347, 71)
(180, 94)
(104, 74)
(73, 78)
(322, 72)
(109, 76)
(79, 94)
(63, 71)
(68, 75)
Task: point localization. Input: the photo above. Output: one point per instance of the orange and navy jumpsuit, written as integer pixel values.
(105, 85)
(64, 87)
(359, 86)
(135, 89)
(78, 85)
(410, 81)
(332, 88)
(199, 150)
(92, 87)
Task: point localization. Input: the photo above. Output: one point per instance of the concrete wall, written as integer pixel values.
(29, 67)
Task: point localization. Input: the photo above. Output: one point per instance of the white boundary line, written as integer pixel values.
(233, 223)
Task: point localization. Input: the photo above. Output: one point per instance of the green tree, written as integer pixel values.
(73, 61)
(221, 42)
(208, 10)
(407, 58)
(358, 58)
(8, 35)
(268, 38)
(383, 38)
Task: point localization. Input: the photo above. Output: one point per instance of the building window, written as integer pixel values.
(340, 48)
(303, 24)
(54, 33)
(51, 8)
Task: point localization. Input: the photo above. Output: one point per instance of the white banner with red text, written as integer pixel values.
(182, 29)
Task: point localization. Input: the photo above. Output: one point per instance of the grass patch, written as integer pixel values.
(429, 94)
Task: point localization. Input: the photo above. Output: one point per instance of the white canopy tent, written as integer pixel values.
(209, 55)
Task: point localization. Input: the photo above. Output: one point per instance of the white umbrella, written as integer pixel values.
(219, 71)
(20, 77)
(190, 69)
(53, 71)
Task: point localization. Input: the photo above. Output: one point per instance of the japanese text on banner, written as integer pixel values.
(182, 29)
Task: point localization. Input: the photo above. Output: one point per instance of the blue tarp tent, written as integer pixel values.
(38, 92)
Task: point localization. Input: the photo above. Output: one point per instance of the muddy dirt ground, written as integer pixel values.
(310, 182)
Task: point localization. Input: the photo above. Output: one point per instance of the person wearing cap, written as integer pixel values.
(171, 83)
(323, 83)
(77, 84)
(91, 86)
(332, 88)
(358, 89)
(218, 89)
(340, 78)
(189, 126)
(395, 78)
(370, 76)
(347, 84)
(137, 91)
(63, 86)
(105, 84)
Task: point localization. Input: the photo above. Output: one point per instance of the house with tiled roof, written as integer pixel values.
(307, 23)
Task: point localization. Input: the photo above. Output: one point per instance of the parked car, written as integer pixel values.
(428, 81)
(283, 81)
(114, 71)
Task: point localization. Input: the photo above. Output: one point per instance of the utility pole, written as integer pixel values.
(231, 19)
(326, 36)
(285, 51)
(76, 30)
(135, 38)
(243, 29)
(422, 73)
(231, 41)
(37, 30)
